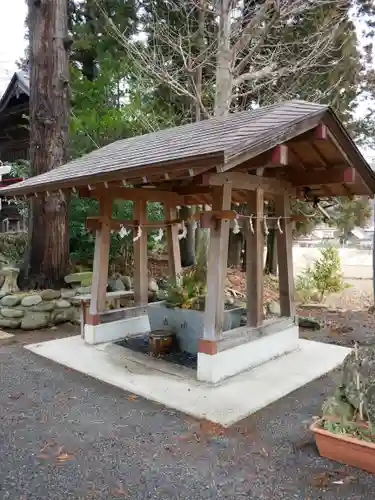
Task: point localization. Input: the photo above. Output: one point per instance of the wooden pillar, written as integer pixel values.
(140, 256)
(101, 258)
(217, 266)
(173, 245)
(254, 259)
(285, 257)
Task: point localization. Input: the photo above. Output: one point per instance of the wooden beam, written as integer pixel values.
(247, 182)
(134, 194)
(279, 155)
(321, 132)
(285, 257)
(173, 245)
(140, 257)
(335, 175)
(101, 258)
(254, 259)
(93, 223)
(217, 266)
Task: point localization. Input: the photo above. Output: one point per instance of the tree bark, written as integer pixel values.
(49, 117)
(224, 61)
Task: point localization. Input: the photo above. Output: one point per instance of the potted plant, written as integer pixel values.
(345, 432)
(182, 311)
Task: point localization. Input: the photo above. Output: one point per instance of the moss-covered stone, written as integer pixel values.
(68, 293)
(9, 312)
(50, 294)
(45, 306)
(10, 300)
(62, 304)
(10, 323)
(31, 300)
(35, 320)
(63, 315)
(79, 279)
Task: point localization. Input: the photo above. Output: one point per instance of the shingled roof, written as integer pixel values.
(20, 83)
(199, 146)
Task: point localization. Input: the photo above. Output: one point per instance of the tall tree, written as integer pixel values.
(49, 118)
(254, 52)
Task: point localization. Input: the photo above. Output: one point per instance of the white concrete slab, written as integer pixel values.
(230, 362)
(5, 335)
(116, 330)
(227, 403)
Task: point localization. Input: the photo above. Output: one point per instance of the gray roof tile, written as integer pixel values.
(228, 136)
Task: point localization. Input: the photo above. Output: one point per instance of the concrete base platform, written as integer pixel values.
(226, 403)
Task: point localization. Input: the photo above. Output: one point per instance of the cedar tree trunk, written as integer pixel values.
(49, 116)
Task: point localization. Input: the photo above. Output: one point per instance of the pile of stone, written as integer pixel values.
(40, 309)
(31, 311)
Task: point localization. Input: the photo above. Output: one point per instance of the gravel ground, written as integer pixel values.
(358, 295)
(67, 436)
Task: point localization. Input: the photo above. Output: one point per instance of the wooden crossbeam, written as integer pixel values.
(279, 155)
(321, 132)
(335, 175)
(247, 182)
(93, 223)
(133, 194)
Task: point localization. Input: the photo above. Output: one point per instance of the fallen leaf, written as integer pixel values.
(64, 457)
(119, 492)
(16, 395)
(211, 428)
(132, 397)
(321, 480)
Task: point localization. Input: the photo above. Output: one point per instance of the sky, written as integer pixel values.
(12, 37)
(13, 43)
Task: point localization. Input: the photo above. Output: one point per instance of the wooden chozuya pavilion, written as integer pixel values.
(293, 149)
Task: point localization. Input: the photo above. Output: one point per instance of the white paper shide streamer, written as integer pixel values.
(139, 234)
(159, 236)
(236, 227)
(123, 232)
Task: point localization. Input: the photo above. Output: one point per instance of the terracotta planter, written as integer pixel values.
(344, 449)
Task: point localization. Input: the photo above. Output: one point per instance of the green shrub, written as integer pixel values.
(188, 291)
(323, 277)
(12, 248)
